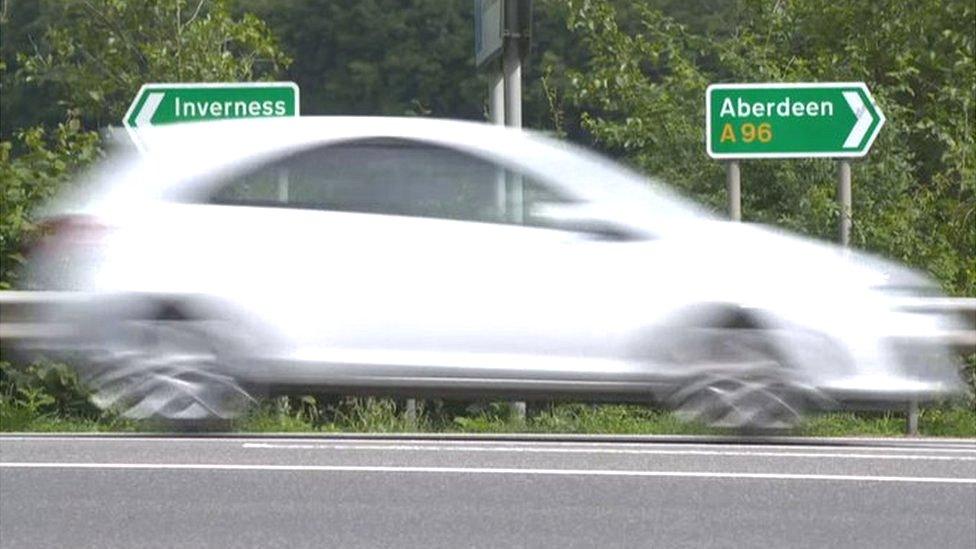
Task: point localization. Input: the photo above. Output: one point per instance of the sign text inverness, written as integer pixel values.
(160, 104)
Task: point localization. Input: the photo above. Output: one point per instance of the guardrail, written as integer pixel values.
(20, 311)
(963, 339)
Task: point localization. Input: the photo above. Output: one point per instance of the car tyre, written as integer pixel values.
(744, 401)
(163, 370)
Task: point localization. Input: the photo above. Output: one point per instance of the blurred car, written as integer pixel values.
(420, 257)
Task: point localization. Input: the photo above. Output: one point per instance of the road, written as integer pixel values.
(60, 491)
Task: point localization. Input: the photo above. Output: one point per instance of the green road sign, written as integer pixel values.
(161, 104)
(838, 119)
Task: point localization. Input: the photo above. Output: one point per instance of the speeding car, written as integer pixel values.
(421, 257)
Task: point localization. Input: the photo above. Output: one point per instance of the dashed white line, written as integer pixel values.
(484, 471)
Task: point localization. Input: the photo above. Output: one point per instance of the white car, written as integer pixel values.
(421, 257)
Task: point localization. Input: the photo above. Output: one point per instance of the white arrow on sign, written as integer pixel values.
(864, 120)
(144, 117)
(149, 108)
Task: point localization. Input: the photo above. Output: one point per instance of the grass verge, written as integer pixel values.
(47, 397)
(385, 416)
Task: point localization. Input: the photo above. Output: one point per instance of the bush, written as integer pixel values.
(42, 389)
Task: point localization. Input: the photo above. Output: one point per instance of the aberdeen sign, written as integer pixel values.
(162, 104)
(839, 120)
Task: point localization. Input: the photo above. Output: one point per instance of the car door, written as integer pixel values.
(403, 263)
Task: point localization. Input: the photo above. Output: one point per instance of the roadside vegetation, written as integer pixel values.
(47, 397)
(627, 77)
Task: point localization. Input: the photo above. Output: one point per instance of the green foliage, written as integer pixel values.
(46, 158)
(938, 421)
(23, 106)
(379, 57)
(36, 410)
(97, 53)
(641, 96)
(41, 390)
(629, 75)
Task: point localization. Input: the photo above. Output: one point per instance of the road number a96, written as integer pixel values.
(748, 132)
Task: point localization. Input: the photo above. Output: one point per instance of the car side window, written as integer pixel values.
(392, 177)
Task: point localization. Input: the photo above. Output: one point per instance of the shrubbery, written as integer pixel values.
(624, 77)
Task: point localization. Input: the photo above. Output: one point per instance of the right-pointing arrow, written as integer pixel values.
(149, 109)
(864, 120)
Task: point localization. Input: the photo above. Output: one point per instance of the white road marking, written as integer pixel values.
(565, 450)
(482, 471)
(899, 445)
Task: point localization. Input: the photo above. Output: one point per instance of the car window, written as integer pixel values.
(392, 177)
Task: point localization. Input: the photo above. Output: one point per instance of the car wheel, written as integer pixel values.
(163, 370)
(742, 401)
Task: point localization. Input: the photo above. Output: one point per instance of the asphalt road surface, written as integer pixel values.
(61, 491)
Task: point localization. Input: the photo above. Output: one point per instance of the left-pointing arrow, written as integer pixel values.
(143, 117)
(149, 108)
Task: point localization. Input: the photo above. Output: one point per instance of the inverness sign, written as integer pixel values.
(790, 120)
(161, 104)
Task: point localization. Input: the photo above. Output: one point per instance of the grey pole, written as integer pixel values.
(844, 201)
(733, 187)
(512, 67)
(410, 413)
(512, 70)
(496, 114)
(844, 230)
(912, 424)
(283, 185)
(496, 95)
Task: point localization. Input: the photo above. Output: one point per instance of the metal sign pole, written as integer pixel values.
(733, 187)
(496, 114)
(844, 230)
(512, 70)
(513, 74)
(410, 413)
(283, 185)
(844, 201)
(496, 95)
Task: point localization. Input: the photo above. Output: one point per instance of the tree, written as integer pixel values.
(90, 62)
(641, 96)
(22, 24)
(97, 53)
(46, 159)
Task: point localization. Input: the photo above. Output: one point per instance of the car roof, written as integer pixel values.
(252, 136)
(212, 146)
(179, 156)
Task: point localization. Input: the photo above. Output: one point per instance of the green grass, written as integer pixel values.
(21, 420)
(372, 415)
(47, 397)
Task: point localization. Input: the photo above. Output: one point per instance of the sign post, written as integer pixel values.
(502, 30)
(163, 104)
(794, 120)
(844, 201)
(733, 188)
